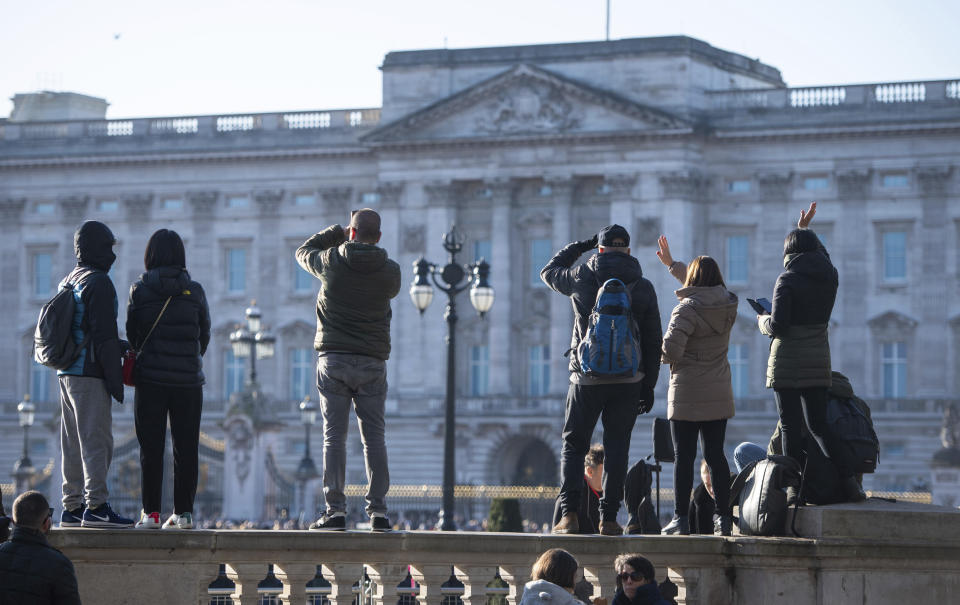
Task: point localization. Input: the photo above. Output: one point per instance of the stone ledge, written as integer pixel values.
(880, 520)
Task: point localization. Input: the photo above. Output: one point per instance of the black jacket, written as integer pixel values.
(581, 283)
(648, 594)
(588, 510)
(34, 573)
(805, 291)
(96, 314)
(173, 352)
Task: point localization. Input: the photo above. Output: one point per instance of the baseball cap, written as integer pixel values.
(613, 236)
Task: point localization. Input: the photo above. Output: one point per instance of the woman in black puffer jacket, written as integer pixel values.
(798, 369)
(168, 321)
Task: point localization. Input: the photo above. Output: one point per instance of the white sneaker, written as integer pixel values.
(181, 521)
(148, 520)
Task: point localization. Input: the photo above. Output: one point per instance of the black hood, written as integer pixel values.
(166, 281)
(814, 265)
(93, 245)
(620, 265)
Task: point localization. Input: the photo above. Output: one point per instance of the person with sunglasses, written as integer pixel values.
(31, 571)
(636, 582)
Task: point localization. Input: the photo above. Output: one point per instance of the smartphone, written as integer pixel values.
(761, 305)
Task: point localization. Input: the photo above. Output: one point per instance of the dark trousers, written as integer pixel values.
(711, 434)
(616, 405)
(797, 406)
(152, 405)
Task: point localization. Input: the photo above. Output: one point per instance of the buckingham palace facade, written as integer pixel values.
(524, 148)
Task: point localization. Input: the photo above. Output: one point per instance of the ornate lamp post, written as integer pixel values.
(23, 468)
(252, 341)
(307, 470)
(452, 279)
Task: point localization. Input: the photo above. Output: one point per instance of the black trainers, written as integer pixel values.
(380, 524)
(105, 517)
(72, 518)
(680, 524)
(330, 522)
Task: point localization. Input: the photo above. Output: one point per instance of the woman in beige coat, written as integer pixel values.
(700, 398)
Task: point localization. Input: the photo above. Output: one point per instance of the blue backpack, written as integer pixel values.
(610, 347)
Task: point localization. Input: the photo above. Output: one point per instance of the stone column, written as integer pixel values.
(336, 205)
(475, 579)
(389, 211)
(430, 578)
(928, 367)
(203, 258)
(246, 576)
(855, 264)
(621, 199)
(561, 311)
(440, 215)
(603, 578)
(515, 576)
(502, 277)
(138, 208)
(13, 299)
(341, 577)
(385, 577)
(294, 577)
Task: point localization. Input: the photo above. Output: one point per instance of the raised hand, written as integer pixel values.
(664, 252)
(807, 216)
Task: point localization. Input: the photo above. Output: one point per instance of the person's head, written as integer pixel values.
(593, 466)
(364, 226)
(800, 240)
(556, 566)
(32, 510)
(705, 476)
(164, 249)
(613, 238)
(633, 571)
(703, 271)
(93, 245)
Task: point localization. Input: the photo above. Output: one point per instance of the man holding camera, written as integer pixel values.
(615, 399)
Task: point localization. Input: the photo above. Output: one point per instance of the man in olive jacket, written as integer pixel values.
(357, 281)
(31, 571)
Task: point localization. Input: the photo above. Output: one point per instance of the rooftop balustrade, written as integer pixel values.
(821, 97)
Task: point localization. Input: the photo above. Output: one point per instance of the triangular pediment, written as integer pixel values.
(527, 101)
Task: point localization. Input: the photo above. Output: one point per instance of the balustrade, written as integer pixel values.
(836, 96)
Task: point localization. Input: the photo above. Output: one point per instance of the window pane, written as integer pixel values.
(894, 255)
(539, 376)
(815, 182)
(301, 373)
(237, 201)
(236, 270)
(39, 382)
(108, 206)
(304, 199)
(894, 369)
(44, 208)
(737, 259)
(895, 180)
(42, 273)
(479, 370)
(482, 249)
(737, 356)
(172, 203)
(738, 186)
(232, 374)
(540, 254)
(302, 281)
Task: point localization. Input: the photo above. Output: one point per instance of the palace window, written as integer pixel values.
(482, 249)
(39, 382)
(479, 370)
(304, 199)
(172, 204)
(370, 197)
(108, 206)
(815, 183)
(42, 270)
(738, 186)
(738, 356)
(894, 180)
(302, 373)
(232, 373)
(540, 254)
(303, 282)
(737, 259)
(237, 201)
(44, 208)
(893, 361)
(236, 270)
(894, 256)
(539, 371)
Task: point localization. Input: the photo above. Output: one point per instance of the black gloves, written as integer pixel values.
(646, 399)
(587, 244)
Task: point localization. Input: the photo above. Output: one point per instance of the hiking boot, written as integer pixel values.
(103, 516)
(610, 528)
(148, 520)
(852, 491)
(181, 521)
(726, 525)
(72, 518)
(380, 523)
(680, 524)
(793, 495)
(332, 522)
(569, 524)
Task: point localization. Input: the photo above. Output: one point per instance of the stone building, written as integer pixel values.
(525, 148)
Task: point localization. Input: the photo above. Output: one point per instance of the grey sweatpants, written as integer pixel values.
(345, 378)
(86, 440)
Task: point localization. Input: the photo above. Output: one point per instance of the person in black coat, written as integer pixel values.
(636, 582)
(168, 322)
(31, 571)
(588, 511)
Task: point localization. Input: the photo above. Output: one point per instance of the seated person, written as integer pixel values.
(588, 512)
(636, 582)
(746, 453)
(552, 580)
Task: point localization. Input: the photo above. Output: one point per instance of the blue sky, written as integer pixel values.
(212, 56)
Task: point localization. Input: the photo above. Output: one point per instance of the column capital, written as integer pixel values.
(440, 193)
(138, 205)
(685, 184)
(934, 179)
(74, 207)
(12, 207)
(336, 201)
(621, 185)
(202, 202)
(562, 187)
(774, 184)
(390, 192)
(501, 190)
(853, 182)
(268, 200)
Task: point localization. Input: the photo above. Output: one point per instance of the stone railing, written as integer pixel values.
(130, 566)
(936, 91)
(192, 125)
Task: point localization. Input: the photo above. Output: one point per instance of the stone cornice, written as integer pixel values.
(774, 185)
(440, 193)
(268, 200)
(621, 185)
(336, 200)
(202, 202)
(934, 179)
(138, 205)
(74, 207)
(851, 131)
(686, 184)
(390, 192)
(853, 182)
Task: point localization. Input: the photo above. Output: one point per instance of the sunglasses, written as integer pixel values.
(629, 575)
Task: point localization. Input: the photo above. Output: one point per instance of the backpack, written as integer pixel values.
(53, 344)
(637, 496)
(849, 421)
(759, 492)
(610, 346)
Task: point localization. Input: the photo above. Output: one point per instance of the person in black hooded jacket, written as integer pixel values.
(615, 400)
(168, 322)
(86, 438)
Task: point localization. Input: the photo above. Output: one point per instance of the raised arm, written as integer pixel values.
(558, 273)
(677, 268)
(309, 254)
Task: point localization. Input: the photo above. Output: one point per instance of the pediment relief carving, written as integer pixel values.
(533, 218)
(297, 329)
(526, 101)
(892, 323)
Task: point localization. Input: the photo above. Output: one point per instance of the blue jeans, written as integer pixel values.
(344, 379)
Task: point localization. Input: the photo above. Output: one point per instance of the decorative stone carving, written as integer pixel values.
(892, 325)
(268, 200)
(934, 180)
(534, 218)
(687, 184)
(202, 202)
(390, 192)
(853, 182)
(950, 430)
(502, 190)
(440, 193)
(647, 231)
(239, 431)
(529, 106)
(621, 185)
(138, 206)
(12, 208)
(414, 238)
(74, 207)
(561, 189)
(336, 201)
(774, 185)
